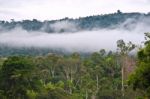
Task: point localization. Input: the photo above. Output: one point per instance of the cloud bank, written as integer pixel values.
(81, 41)
(87, 41)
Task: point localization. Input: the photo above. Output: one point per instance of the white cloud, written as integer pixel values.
(88, 41)
(55, 9)
(84, 41)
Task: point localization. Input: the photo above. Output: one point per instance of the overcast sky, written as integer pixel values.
(56, 9)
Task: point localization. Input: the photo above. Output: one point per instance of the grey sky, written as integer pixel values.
(56, 9)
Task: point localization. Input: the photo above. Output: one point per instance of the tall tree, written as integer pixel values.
(124, 50)
(140, 79)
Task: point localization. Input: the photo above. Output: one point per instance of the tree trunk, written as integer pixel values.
(93, 97)
(86, 95)
(53, 73)
(97, 83)
(70, 90)
(122, 72)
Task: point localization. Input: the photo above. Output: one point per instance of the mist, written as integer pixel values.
(81, 41)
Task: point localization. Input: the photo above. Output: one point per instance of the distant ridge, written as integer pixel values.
(74, 25)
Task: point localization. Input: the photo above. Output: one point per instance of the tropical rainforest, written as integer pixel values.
(101, 75)
(39, 73)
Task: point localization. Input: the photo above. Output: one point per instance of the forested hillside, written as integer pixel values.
(74, 49)
(15, 32)
(73, 25)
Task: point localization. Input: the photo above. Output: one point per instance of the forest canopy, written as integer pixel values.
(99, 75)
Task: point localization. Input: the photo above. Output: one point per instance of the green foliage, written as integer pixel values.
(140, 79)
(31, 94)
(17, 77)
(54, 94)
(2, 61)
(62, 77)
(125, 48)
(52, 76)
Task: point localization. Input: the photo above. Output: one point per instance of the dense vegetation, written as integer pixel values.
(100, 75)
(26, 74)
(140, 79)
(7, 50)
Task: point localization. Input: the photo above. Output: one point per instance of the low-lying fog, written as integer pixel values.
(84, 41)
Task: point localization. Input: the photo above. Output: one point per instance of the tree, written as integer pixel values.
(17, 77)
(124, 50)
(70, 69)
(140, 79)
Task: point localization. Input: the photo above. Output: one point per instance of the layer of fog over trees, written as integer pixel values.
(88, 34)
